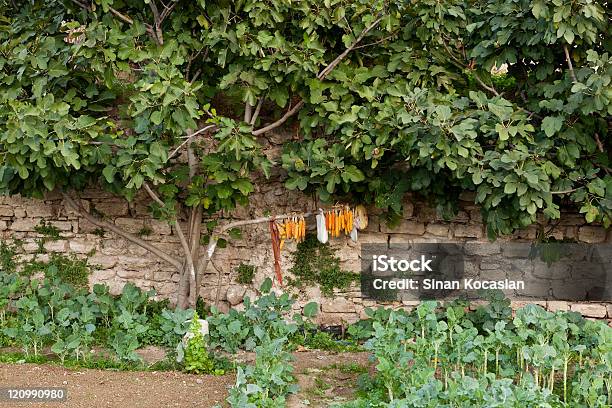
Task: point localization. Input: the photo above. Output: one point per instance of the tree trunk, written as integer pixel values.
(182, 300)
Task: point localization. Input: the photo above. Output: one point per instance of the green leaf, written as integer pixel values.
(109, 173)
(224, 191)
(266, 286)
(244, 185)
(156, 118)
(510, 188)
(552, 124)
(311, 309)
(352, 173)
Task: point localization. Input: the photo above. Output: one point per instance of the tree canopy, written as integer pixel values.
(381, 98)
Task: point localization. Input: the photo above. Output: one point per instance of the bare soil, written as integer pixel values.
(323, 377)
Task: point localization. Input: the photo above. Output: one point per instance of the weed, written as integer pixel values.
(314, 263)
(246, 272)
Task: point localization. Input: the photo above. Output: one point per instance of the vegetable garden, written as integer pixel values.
(435, 355)
(358, 102)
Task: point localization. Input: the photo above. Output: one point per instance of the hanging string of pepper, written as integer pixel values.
(340, 219)
(274, 233)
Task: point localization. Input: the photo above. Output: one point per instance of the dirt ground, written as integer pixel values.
(323, 377)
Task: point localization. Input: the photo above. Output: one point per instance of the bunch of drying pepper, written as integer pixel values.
(339, 220)
(292, 228)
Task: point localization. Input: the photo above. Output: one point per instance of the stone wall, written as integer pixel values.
(117, 261)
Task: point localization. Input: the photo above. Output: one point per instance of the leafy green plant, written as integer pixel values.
(234, 330)
(269, 381)
(196, 358)
(437, 356)
(245, 272)
(49, 231)
(315, 263)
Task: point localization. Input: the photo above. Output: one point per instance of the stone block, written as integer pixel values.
(162, 276)
(25, 224)
(68, 211)
(405, 227)
(557, 306)
(515, 250)
(103, 261)
(81, 246)
(56, 246)
(101, 275)
(235, 294)
(338, 305)
(166, 288)
(529, 233)
(567, 290)
(136, 262)
(461, 216)
(159, 227)
(112, 208)
(592, 234)
(482, 248)
(130, 274)
(554, 271)
(590, 309)
(408, 209)
(3, 225)
(440, 230)
(6, 211)
(130, 224)
(518, 304)
(336, 319)
(468, 231)
(372, 238)
(38, 208)
(64, 226)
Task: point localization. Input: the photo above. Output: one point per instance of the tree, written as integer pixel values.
(175, 98)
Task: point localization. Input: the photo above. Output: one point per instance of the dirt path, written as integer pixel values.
(98, 388)
(323, 378)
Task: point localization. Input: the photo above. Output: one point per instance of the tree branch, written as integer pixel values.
(571, 190)
(179, 232)
(320, 76)
(153, 195)
(235, 224)
(376, 42)
(188, 139)
(117, 13)
(121, 16)
(157, 22)
(340, 57)
(166, 12)
(256, 114)
(485, 86)
(599, 144)
(248, 112)
(113, 228)
(569, 63)
(279, 122)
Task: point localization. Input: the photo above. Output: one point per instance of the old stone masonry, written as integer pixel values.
(117, 262)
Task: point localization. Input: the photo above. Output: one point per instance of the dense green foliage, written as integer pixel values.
(35, 313)
(390, 97)
(448, 357)
(315, 263)
(245, 272)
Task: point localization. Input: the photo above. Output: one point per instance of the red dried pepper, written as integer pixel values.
(275, 236)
